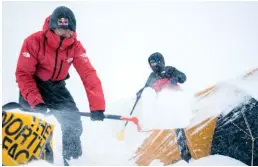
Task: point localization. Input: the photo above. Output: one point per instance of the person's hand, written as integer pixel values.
(97, 115)
(174, 80)
(167, 72)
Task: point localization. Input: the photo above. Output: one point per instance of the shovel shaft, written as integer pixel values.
(107, 116)
(14, 105)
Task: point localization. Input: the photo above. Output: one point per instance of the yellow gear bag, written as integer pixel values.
(25, 138)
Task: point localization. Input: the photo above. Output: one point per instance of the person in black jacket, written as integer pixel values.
(161, 74)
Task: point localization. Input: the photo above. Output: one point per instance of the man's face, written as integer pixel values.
(64, 32)
(156, 66)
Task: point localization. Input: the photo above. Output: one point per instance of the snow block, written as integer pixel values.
(163, 110)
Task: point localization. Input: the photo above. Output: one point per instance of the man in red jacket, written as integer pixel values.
(42, 67)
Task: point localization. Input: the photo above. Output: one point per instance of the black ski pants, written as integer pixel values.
(61, 104)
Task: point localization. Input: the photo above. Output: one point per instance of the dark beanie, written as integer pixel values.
(63, 18)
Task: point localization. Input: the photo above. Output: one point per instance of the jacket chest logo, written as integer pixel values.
(84, 55)
(69, 60)
(26, 54)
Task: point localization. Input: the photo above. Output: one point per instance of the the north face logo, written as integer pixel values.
(84, 55)
(69, 60)
(26, 54)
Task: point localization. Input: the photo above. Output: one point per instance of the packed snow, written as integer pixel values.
(99, 138)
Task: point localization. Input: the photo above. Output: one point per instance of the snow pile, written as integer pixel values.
(247, 84)
(212, 160)
(163, 111)
(223, 99)
(38, 163)
(226, 96)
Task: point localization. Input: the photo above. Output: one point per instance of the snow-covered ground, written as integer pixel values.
(213, 160)
(101, 147)
(210, 41)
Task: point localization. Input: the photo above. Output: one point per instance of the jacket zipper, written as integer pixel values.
(60, 69)
(56, 58)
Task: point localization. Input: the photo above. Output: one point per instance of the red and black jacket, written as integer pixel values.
(44, 55)
(157, 81)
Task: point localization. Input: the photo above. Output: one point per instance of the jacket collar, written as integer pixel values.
(54, 40)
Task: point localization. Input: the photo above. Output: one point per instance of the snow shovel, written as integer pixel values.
(120, 135)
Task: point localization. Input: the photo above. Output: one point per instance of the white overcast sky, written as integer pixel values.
(209, 41)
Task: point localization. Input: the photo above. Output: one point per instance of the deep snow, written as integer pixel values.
(100, 146)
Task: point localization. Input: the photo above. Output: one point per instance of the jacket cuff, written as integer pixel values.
(34, 100)
(97, 110)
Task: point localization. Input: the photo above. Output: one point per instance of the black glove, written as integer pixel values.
(97, 115)
(40, 108)
(168, 72)
(174, 80)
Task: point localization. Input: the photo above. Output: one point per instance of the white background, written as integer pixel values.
(209, 41)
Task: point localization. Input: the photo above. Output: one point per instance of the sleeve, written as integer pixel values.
(90, 79)
(25, 71)
(151, 80)
(181, 77)
(178, 74)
